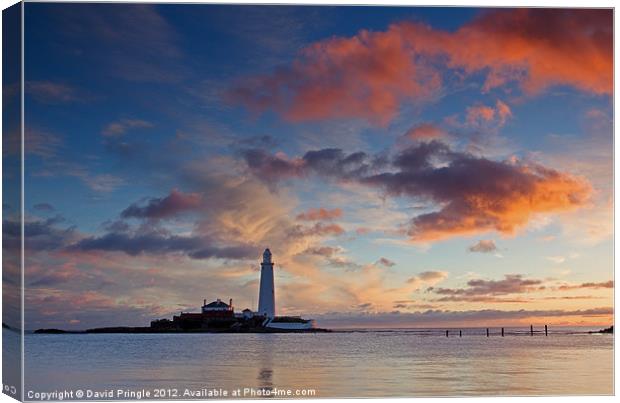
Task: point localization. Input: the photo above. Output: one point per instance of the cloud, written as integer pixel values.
(410, 304)
(223, 218)
(371, 74)
(364, 306)
(606, 284)
(154, 242)
(39, 142)
(479, 113)
(341, 262)
(556, 259)
(48, 308)
(562, 259)
(511, 284)
(385, 262)
(120, 127)
(483, 246)
(425, 131)
(39, 235)
(494, 291)
(427, 278)
(432, 275)
(239, 207)
(503, 112)
(226, 252)
(366, 76)
(271, 167)
(538, 48)
(49, 92)
(476, 195)
(320, 214)
(482, 298)
(484, 116)
(173, 204)
(318, 229)
(136, 244)
(330, 162)
(332, 259)
(39, 276)
(325, 251)
(363, 230)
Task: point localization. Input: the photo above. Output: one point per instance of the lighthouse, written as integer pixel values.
(266, 296)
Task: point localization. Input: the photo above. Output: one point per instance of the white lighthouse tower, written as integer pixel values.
(266, 296)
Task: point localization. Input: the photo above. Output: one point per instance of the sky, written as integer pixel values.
(407, 167)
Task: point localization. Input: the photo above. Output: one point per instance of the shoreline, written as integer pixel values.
(420, 331)
(148, 330)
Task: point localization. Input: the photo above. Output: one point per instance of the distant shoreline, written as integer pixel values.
(149, 330)
(424, 331)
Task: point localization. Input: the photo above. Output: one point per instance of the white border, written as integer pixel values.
(456, 3)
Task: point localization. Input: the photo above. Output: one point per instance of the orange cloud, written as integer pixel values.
(370, 74)
(475, 195)
(503, 111)
(366, 76)
(320, 214)
(483, 115)
(479, 113)
(499, 206)
(539, 48)
(425, 131)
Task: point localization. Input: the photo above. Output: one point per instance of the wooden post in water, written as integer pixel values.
(546, 331)
(531, 330)
(487, 332)
(502, 332)
(446, 333)
(460, 333)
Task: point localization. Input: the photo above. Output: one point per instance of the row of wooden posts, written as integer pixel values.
(531, 332)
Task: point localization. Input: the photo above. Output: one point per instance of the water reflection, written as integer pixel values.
(265, 363)
(371, 364)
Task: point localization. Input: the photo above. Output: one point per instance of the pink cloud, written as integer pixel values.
(425, 131)
(371, 74)
(483, 115)
(320, 214)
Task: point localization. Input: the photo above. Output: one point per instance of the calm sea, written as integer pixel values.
(357, 364)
